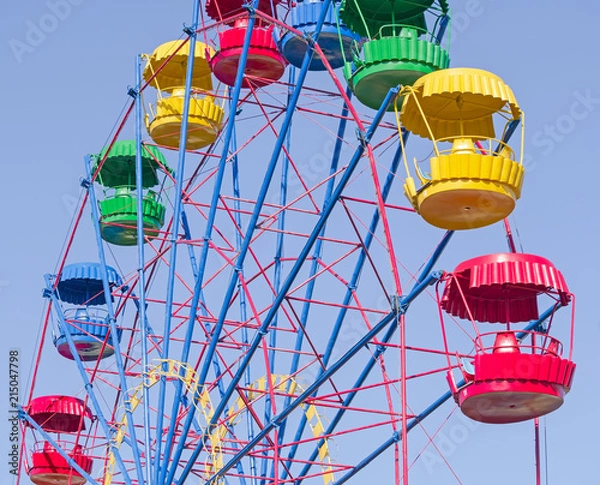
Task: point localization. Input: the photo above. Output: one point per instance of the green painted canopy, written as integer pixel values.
(118, 170)
(366, 17)
(390, 61)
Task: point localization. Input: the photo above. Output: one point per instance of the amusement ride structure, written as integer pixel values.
(243, 313)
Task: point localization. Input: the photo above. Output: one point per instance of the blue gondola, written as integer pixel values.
(80, 285)
(305, 15)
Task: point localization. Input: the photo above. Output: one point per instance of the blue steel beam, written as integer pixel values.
(435, 256)
(254, 218)
(369, 365)
(149, 331)
(242, 298)
(443, 25)
(362, 258)
(328, 374)
(124, 395)
(262, 196)
(512, 126)
(188, 236)
(185, 354)
(264, 327)
(161, 469)
(283, 189)
(229, 129)
(141, 264)
(316, 256)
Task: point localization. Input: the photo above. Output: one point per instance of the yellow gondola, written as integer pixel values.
(476, 181)
(166, 71)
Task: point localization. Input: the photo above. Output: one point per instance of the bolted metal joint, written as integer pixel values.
(85, 183)
(134, 93)
(380, 349)
(437, 275)
(398, 304)
(21, 413)
(361, 136)
(189, 30)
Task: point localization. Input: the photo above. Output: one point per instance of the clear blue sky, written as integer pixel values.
(64, 88)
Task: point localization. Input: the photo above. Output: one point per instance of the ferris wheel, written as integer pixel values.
(248, 311)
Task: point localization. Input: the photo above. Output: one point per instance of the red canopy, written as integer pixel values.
(221, 9)
(59, 414)
(502, 287)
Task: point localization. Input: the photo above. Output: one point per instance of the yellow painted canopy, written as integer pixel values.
(172, 75)
(457, 102)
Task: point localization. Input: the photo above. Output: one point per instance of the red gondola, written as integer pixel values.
(514, 375)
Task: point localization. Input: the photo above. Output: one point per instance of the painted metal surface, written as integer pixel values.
(471, 184)
(234, 362)
(502, 287)
(397, 48)
(264, 65)
(336, 40)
